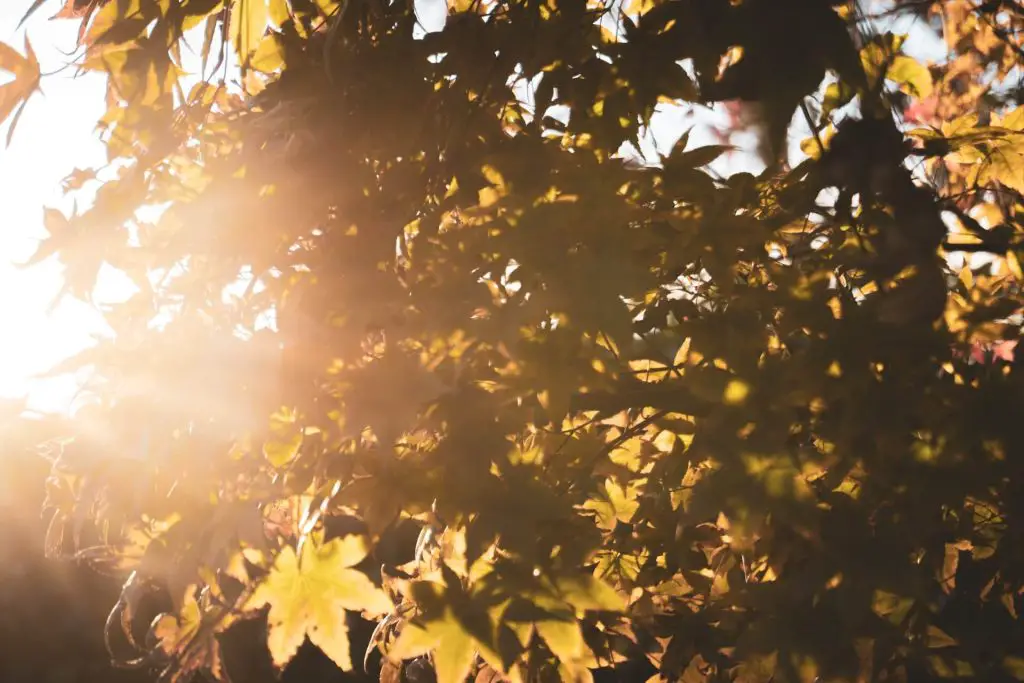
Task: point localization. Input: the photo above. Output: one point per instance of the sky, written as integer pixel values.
(56, 134)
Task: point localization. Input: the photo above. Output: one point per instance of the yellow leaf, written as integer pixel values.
(279, 12)
(682, 356)
(492, 175)
(1004, 163)
(736, 392)
(460, 6)
(623, 500)
(910, 75)
(564, 638)
(269, 57)
(892, 607)
(175, 632)
(588, 592)
(939, 638)
(192, 640)
(1014, 266)
(280, 453)
(619, 505)
(452, 645)
(26, 78)
(1014, 666)
(812, 147)
(328, 7)
(454, 657)
(959, 126)
(309, 598)
(649, 370)
(248, 24)
(414, 641)
(488, 196)
(1013, 120)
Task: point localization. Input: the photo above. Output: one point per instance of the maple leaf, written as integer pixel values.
(247, 26)
(453, 648)
(1004, 163)
(190, 638)
(70, 9)
(26, 81)
(78, 9)
(308, 596)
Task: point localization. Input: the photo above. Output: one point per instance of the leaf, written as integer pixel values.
(269, 56)
(451, 644)
(959, 126)
(837, 95)
(563, 637)
(937, 638)
(26, 78)
(123, 30)
(618, 504)
(588, 592)
(279, 12)
(1013, 120)
(281, 452)
(879, 52)
(1014, 666)
(191, 638)
(248, 23)
(702, 156)
(910, 75)
(1004, 163)
(309, 598)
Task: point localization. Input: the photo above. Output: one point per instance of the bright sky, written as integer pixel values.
(54, 136)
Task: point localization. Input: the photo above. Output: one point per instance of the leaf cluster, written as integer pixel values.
(739, 428)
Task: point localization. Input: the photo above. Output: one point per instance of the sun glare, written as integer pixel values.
(54, 136)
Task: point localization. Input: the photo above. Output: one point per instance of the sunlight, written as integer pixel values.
(49, 144)
(55, 136)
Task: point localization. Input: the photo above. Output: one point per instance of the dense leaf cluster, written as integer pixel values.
(753, 428)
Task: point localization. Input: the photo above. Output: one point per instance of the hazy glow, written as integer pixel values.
(55, 135)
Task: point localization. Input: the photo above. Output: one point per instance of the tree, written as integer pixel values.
(740, 428)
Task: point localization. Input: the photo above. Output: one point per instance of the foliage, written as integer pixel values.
(739, 428)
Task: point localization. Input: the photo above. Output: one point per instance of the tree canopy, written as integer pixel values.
(743, 427)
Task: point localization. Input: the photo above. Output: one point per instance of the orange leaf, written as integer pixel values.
(26, 78)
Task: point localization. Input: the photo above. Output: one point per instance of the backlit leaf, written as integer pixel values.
(452, 647)
(310, 597)
(248, 23)
(911, 75)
